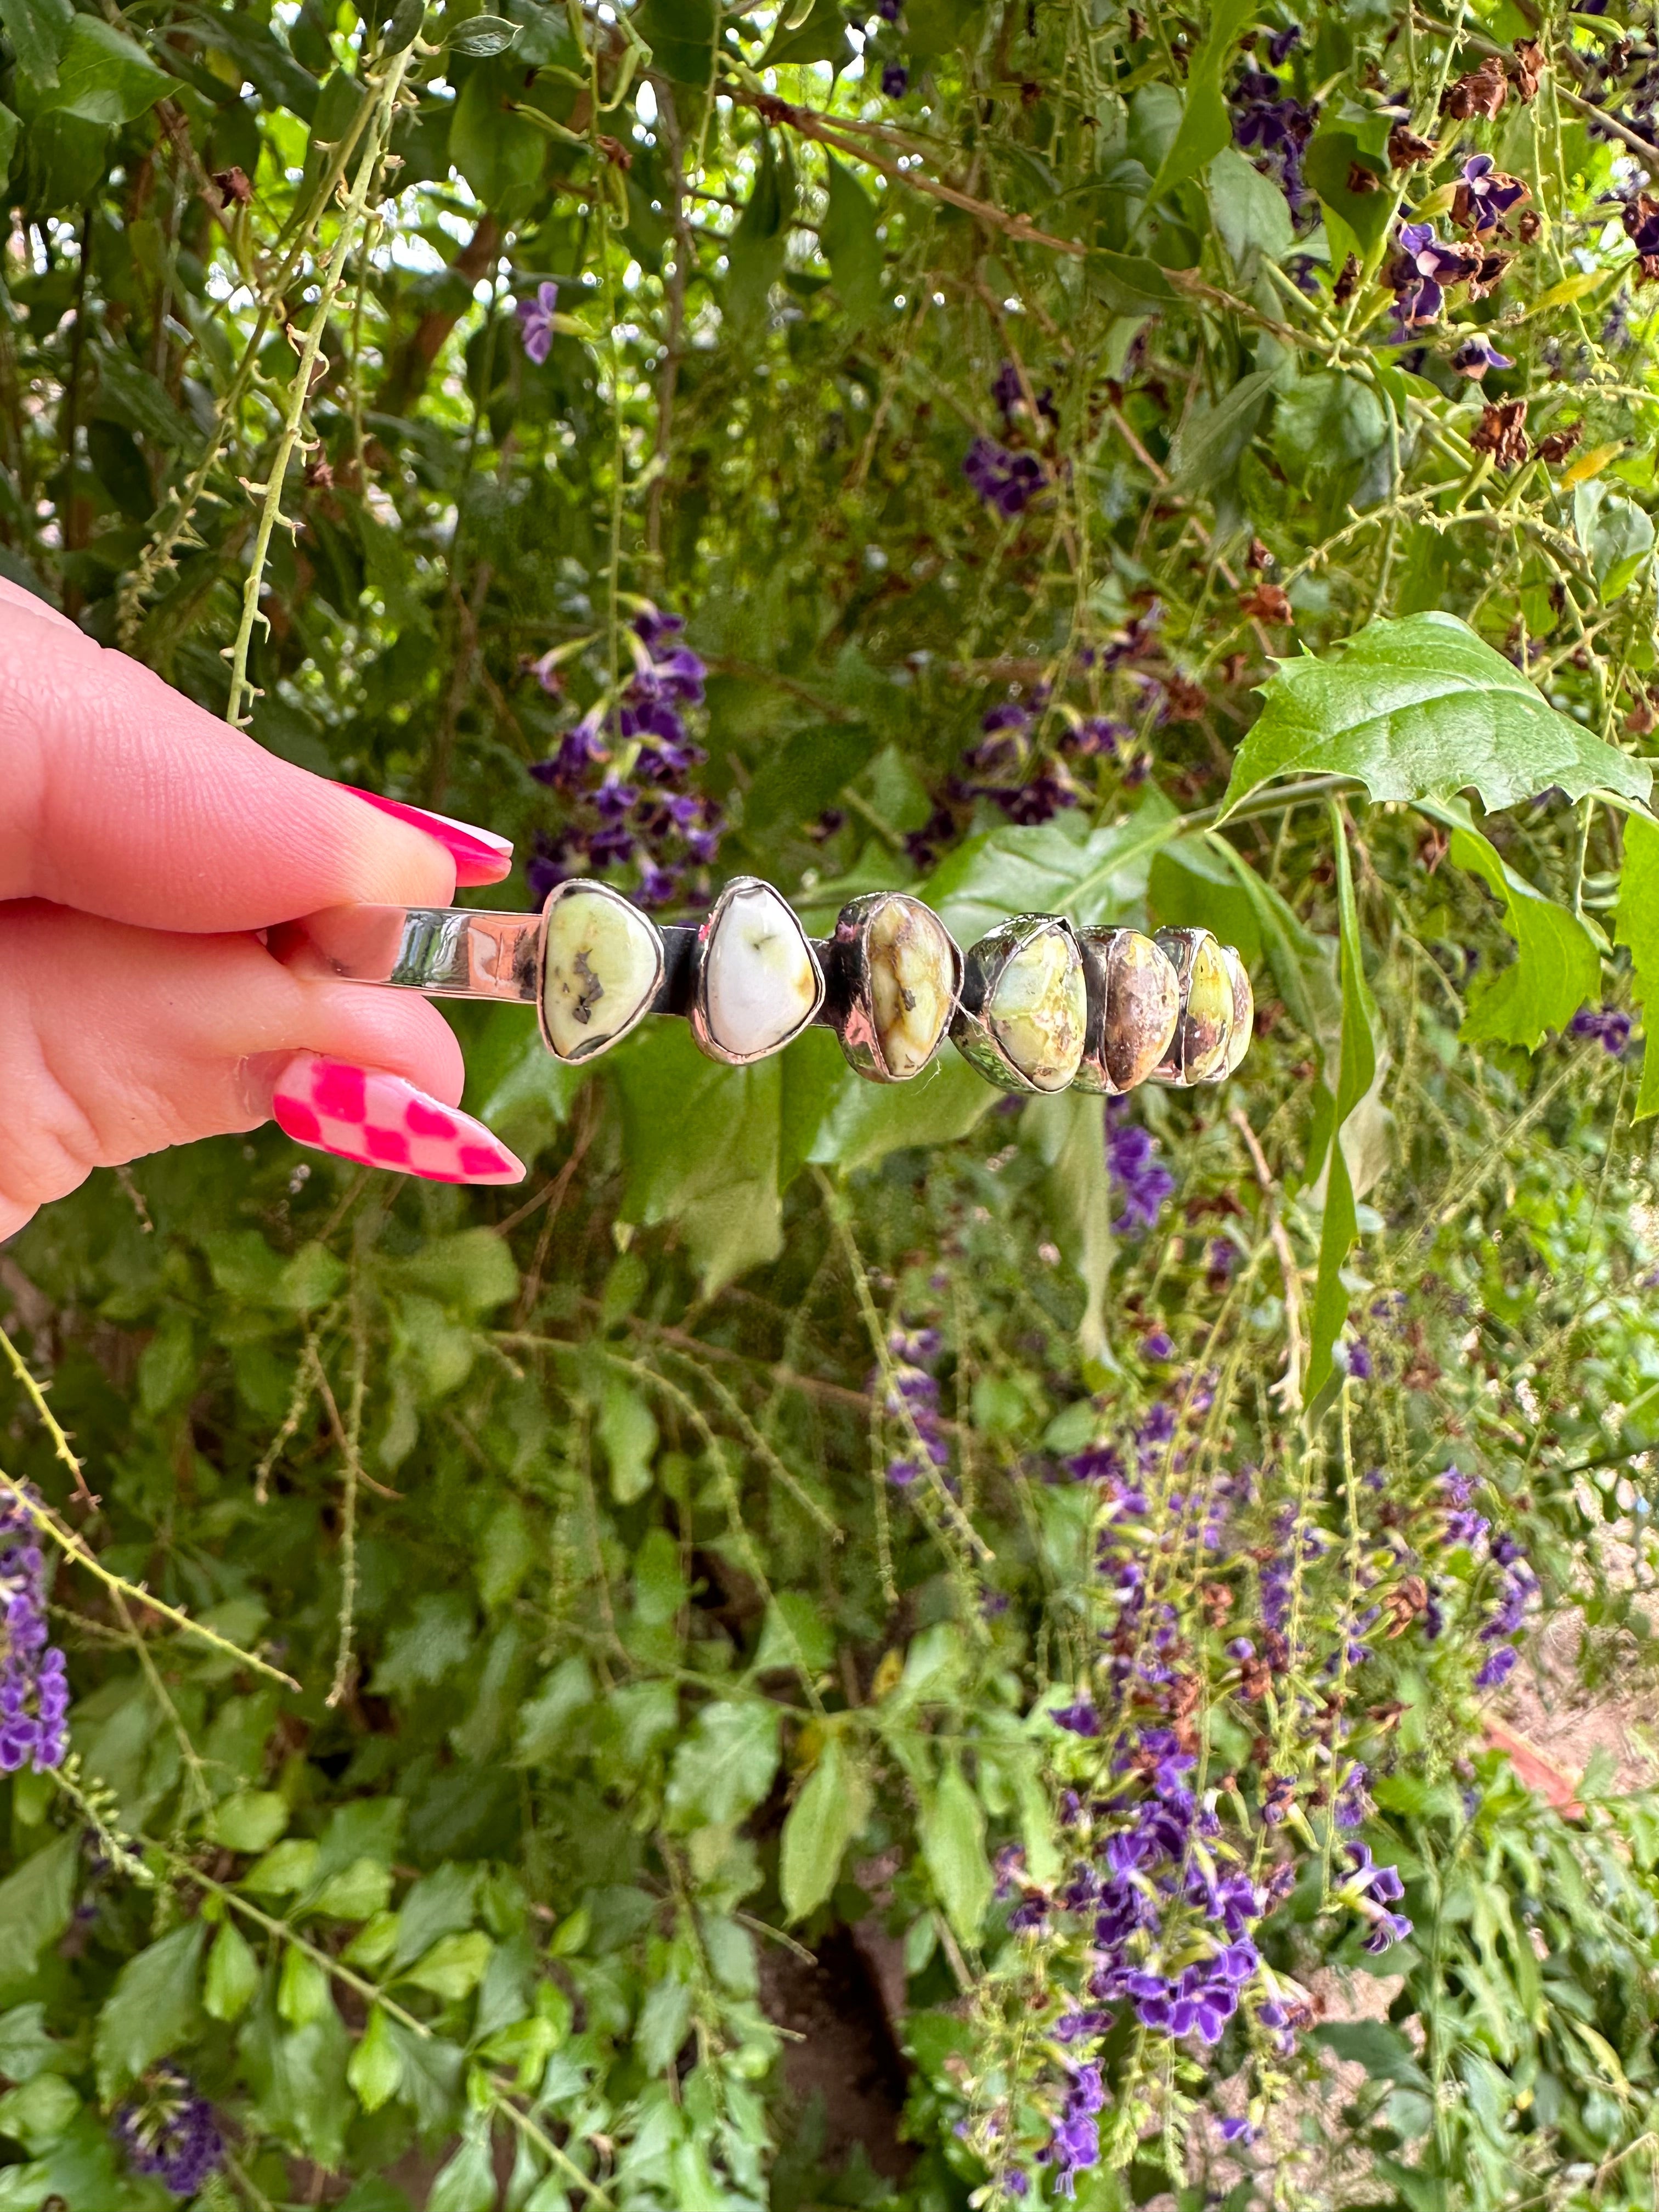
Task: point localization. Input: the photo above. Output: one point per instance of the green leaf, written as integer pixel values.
(829, 1812)
(376, 2066)
(303, 1993)
(866, 1121)
(681, 36)
(10, 127)
(128, 394)
(701, 1149)
(483, 36)
(1326, 423)
(664, 2019)
(1423, 708)
(853, 251)
(1127, 283)
(471, 1272)
(628, 1429)
(757, 247)
(453, 1967)
(150, 2011)
(38, 2113)
(1383, 2050)
(1100, 878)
(1305, 966)
(104, 77)
(1357, 1070)
(298, 2079)
(953, 1845)
(725, 1767)
(467, 2182)
(1330, 157)
(1210, 441)
(40, 34)
(500, 155)
(1069, 1132)
(232, 1975)
(35, 1905)
(820, 36)
(1249, 212)
(250, 1821)
(1558, 964)
(1639, 929)
(1206, 127)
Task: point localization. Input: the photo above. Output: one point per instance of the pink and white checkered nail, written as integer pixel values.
(363, 1114)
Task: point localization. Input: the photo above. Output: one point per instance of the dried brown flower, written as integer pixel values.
(1488, 274)
(1502, 432)
(1530, 224)
(234, 189)
(318, 474)
(1362, 178)
(1186, 701)
(1465, 209)
(1258, 556)
(1347, 282)
(1558, 444)
(1482, 92)
(618, 156)
(1406, 147)
(1266, 603)
(1529, 67)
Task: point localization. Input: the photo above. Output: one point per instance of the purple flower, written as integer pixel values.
(170, 2132)
(1145, 1183)
(1391, 1928)
(1610, 1024)
(1233, 2130)
(1081, 1718)
(1007, 481)
(894, 80)
(1476, 356)
(1425, 266)
(536, 321)
(1156, 1346)
(1484, 194)
(1498, 1668)
(34, 1687)
(1277, 128)
(1359, 1360)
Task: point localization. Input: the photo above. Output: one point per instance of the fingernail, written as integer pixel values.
(363, 1114)
(480, 856)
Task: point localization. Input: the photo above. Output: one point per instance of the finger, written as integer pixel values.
(117, 1041)
(122, 798)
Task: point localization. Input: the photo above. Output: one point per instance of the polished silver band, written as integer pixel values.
(1037, 1005)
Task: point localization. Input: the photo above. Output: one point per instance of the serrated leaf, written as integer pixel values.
(467, 2182)
(1557, 963)
(151, 2009)
(232, 1975)
(829, 1812)
(724, 1766)
(1423, 708)
(376, 2066)
(953, 1845)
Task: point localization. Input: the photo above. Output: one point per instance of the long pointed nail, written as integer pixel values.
(480, 856)
(363, 1114)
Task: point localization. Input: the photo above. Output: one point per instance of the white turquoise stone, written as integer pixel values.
(600, 971)
(1036, 1008)
(759, 982)
(912, 963)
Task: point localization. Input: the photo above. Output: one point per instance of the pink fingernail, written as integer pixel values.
(480, 856)
(363, 1114)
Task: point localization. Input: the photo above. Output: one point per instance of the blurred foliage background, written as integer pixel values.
(758, 1668)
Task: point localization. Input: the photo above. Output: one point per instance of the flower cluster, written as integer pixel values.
(1485, 195)
(631, 807)
(1518, 1585)
(172, 2133)
(1275, 127)
(1372, 1889)
(1426, 267)
(911, 1402)
(1135, 1170)
(34, 1686)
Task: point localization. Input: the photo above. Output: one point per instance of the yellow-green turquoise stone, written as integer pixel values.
(912, 983)
(1036, 1007)
(1207, 1018)
(600, 972)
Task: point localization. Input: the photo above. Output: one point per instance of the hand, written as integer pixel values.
(143, 844)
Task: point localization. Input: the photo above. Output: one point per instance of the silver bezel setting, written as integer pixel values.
(853, 1013)
(698, 1012)
(603, 1044)
(971, 1030)
(1102, 950)
(1243, 1027)
(1190, 1059)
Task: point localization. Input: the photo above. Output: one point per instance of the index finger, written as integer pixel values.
(121, 798)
